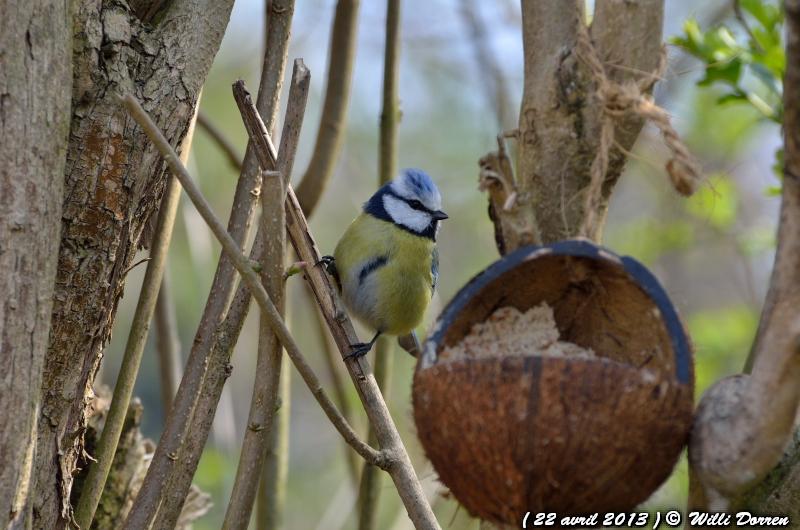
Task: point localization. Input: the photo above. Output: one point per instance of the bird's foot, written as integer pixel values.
(359, 350)
(329, 264)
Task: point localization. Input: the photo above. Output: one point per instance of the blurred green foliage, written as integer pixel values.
(723, 338)
(737, 61)
(716, 203)
(747, 65)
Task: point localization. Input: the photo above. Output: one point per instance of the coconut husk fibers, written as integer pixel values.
(573, 435)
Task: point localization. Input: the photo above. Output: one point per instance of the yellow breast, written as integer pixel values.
(393, 297)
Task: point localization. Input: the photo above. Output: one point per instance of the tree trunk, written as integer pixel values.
(113, 181)
(560, 120)
(34, 122)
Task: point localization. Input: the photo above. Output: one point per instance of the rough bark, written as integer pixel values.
(35, 76)
(113, 181)
(560, 121)
(133, 456)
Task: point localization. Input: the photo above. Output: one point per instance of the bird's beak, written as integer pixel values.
(439, 215)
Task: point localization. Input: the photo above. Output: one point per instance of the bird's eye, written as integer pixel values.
(416, 205)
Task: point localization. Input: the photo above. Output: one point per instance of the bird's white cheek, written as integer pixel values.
(405, 215)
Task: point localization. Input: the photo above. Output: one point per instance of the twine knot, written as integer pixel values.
(617, 101)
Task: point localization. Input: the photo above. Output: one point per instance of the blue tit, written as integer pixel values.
(386, 263)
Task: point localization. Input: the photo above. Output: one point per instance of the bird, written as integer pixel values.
(386, 264)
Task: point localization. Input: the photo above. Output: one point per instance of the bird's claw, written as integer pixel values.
(329, 263)
(324, 261)
(358, 350)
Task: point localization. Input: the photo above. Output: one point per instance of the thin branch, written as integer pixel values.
(334, 110)
(370, 488)
(264, 404)
(250, 278)
(489, 71)
(167, 344)
(398, 463)
(390, 113)
(132, 358)
(163, 476)
(737, 10)
(160, 473)
(371, 481)
(743, 423)
(276, 51)
(216, 134)
(272, 487)
(332, 363)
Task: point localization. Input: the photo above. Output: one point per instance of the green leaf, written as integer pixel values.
(767, 14)
(728, 72)
(766, 76)
(732, 97)
(777, 166)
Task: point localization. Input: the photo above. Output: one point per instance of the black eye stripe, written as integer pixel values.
(414, 204)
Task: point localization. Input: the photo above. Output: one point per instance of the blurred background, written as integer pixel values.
(712, 253)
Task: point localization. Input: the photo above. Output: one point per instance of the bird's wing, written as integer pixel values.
(434, 269)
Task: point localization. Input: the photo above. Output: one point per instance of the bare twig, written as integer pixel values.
(214, 132)
(167, 344)
(250, 277)
(398, 464)
(163, 476)
(370, 488)
(263, 406)
(744, 422)
(226, 336)
(272, 486)
(334, 109)
(160, 472)
(371, 480)
(737, 10)
(491, 75)
(271, 498)
(333, 362)
(132, 358)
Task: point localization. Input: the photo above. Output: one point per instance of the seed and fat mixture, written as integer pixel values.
(510, 332)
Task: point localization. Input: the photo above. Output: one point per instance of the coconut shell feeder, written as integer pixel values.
(512, 432)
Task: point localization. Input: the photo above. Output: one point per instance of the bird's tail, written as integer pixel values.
(410, 343)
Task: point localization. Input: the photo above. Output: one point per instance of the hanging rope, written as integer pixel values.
(617, 101)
